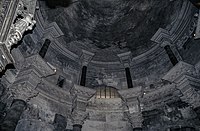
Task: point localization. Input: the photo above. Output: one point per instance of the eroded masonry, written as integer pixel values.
(99, 65)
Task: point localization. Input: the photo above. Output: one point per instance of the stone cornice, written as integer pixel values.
(161, 35)
(82, 93)
(47, 29)
(86, 57)
(158, 97)
(42, 67)
(54, 93)
(131, 92)
(178, 27)
(179, 70)
(125, 58)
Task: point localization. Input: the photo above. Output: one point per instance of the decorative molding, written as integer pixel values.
(136, 119)
(23, 91)
(180, 69)
(86, 57)
(131, 92)
(80, 101)
(161, 35)
(159, 97)
(82, 93)
(78, 117)
(18, 29)
(125, 58)
(43, 68)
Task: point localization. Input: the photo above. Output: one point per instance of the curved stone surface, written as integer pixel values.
(107, 28)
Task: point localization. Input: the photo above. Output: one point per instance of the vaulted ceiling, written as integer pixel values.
(110, 27)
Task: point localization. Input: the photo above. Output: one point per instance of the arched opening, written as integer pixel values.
(106, 92)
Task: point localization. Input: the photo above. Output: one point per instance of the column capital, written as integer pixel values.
(81, 96)
(86, 57)
(125, 58)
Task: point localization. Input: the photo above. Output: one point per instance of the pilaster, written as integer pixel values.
(131, 98)
(81, 95)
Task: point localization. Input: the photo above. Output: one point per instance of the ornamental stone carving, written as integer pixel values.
(78, 117)
(158, 97)
(125, 58)
(19, 29)
(132, 97)
(192, 97)
(182, 68)
(81, 95)
(23, 91)
(186, 78)
(86, 57)
(135, 119)
(4, 8)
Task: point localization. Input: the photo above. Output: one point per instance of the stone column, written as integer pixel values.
(79, 114)
(131, 97)
(44, 48)
(24, 88)
(128, 77)
(166, 45)
(85, 58)
(77, 127)
(13, 115)
(125, 59)
(59, 123)
(83, 75)
(164, 39)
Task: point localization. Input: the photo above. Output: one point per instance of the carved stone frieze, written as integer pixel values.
(186, 78)
(82, 93)
(132, 92)
(159, 93)
(43, 68)
(23, 91)
(191, 96)
(179, 70)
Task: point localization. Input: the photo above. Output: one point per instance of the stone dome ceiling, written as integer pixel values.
(110, 27)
